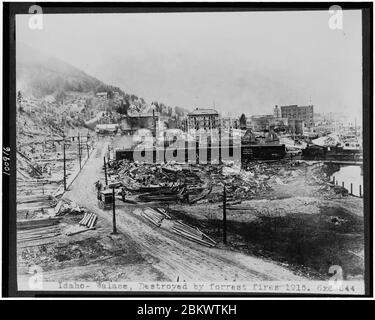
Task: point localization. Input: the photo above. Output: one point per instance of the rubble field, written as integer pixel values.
(301, 222)
(170, 224)
(95, 255)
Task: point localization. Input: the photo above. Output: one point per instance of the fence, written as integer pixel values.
(352, 187)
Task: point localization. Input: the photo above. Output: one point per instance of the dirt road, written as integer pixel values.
(171, 255)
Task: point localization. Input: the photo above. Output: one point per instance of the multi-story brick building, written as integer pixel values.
(261, 122)
(206, 119)
(304, 113)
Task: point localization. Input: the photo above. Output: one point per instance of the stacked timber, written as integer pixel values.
(149, 197)
(88, 220)
(37, 223)
(38, 233)
(192, 234)
(87, 223)
(154, 216)
(34, 198)
(163, 212)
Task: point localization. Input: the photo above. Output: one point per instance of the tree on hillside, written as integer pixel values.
(19, 101)
(110, 94)
(124, 107)
(60, 97)
(19, 97)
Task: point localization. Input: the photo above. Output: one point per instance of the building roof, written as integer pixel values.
(202, 112)
(111, 126)
(144, 115)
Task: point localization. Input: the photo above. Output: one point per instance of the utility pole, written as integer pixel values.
(154, 122)
(224, 216)
(64, 162)
(114, 211)
(87, 145)
(105, 172)
(79, 151)
(220, 162)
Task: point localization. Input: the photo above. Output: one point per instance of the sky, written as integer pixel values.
(236, 62)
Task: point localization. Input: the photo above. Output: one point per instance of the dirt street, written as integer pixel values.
(171, 256)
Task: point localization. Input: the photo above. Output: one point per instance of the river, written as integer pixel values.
(348, 175)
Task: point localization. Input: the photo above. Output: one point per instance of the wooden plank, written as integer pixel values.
(58, 207)
(206, 236)
(192, 238)
(39, 238)
(37, 223)
(87, 223)
(150, 219)
(84, 217)
(84, 220)
(37, 232)
(162, 211)
(87, 219)
(93, 222)
(194, 232)
(80, 231)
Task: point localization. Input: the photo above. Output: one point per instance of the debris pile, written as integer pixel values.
(159, 182)
(190, 183)
(66, 206)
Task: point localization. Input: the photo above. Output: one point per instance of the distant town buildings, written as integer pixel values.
(243, 122)
(206, 119)
(296, 126)
(277, 112)
(304, 113)
(136, 121)
(229, 123)
(261, 122)
(102, 95)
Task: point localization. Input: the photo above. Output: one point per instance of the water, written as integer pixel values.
(348, 175)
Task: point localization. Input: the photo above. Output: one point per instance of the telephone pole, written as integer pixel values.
(79, 151)
(87, 145)
(64, 163)
(105, 172)
(224, 216)
(114, 211)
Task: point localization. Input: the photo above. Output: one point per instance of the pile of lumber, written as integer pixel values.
(38, 233)
(34, 198)
(88, 220)
(37, 223)
(153, 216)
(164, 212)
(149, 197)
(193, 234)
(87, 223)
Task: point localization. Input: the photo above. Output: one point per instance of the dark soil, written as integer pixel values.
(307, 243)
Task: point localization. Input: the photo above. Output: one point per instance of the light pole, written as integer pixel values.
(79, 151)
(113, 186)
(224, 216)
(105, 172)
(114, 212)
(64, 162)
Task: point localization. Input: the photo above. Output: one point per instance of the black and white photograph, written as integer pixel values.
(189, 150)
